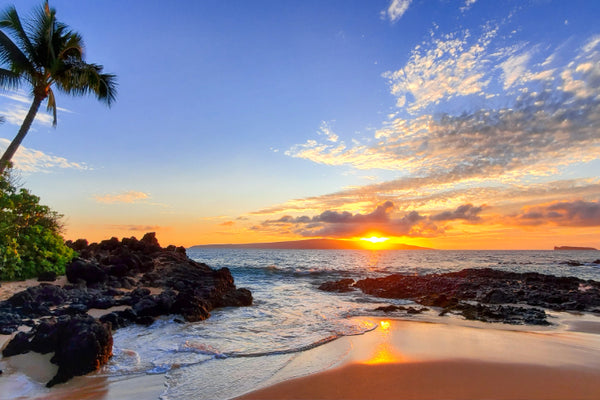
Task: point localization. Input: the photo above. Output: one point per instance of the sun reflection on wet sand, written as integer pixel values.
(385, 352)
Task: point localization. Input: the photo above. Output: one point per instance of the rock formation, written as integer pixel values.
(485, 294)
(106, 274)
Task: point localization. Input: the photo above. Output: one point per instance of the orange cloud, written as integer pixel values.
(345, 224)
(130, 196)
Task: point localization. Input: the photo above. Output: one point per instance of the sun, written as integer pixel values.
(374, 242)
(375, 239)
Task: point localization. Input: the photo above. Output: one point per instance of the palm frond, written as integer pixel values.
(10, 20)
(12, 56)
(72, 47)
(41, 27)
(9, 79)
(81, 78)
(52, 106)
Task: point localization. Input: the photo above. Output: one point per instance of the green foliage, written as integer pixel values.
(30, 240)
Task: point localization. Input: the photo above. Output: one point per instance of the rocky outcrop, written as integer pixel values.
(341, 286)
(407, 310)
(488, 294)
(106, 274)
(80, 344)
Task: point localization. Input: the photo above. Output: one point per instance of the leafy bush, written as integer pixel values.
(30, 240)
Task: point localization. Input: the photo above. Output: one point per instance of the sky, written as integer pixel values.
(452, 124)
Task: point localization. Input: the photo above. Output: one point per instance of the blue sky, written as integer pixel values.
(234, 120)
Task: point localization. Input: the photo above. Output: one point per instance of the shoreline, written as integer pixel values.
(428, 350)
(432, 360)
(412, 359)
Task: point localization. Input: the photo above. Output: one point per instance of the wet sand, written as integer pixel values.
(399, 360)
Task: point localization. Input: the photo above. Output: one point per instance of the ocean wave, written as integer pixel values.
(349, 330)
(291, 272)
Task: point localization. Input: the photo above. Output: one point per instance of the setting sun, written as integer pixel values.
(374, 242)
(375, 239)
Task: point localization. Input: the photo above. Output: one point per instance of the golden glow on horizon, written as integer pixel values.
(185, 232)
(375, 239)
(374, 242)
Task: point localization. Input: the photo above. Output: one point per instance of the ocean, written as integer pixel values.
(240, 349)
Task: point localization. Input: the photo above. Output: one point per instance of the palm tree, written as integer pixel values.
(46, 54)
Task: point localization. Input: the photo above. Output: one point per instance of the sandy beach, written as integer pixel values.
(419, 360)
(451, 379)
(428, 357)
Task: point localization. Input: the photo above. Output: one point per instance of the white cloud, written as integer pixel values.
(514, 69)
(30, 160)
(442, 69)
(582, 76)
(17, 96)
(396, 10)
(14, 114)
(16, 109)
(325, 130)
(548, 120)
(468, 4)
(130, 196)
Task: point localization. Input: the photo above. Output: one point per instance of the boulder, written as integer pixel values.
(119, 319)
(234, 298)
(150, 242)
(78, 245)
(119, 270)
(109, 244)
(17, 345)
(341, 286)
(497, 296)
(390, 308)
(84, 345)
(90, 272)
(148, 306)
(191, 306)
(9, 322)
(47, 276)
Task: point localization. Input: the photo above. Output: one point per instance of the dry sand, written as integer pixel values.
(450, 379)
(7, 289)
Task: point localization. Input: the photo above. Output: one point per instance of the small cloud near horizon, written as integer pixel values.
(127, 197)
(139, 228)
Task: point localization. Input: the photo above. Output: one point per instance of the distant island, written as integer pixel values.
(311, 244)
(573, 248)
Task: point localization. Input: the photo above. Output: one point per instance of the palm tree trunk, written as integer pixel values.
(14, 145)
